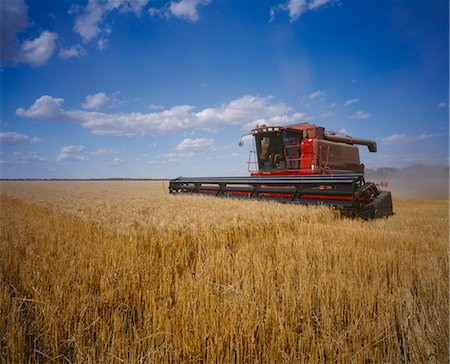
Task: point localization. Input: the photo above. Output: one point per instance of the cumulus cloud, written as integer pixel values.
(360, 115)
(350, 101)
(296, 8)
(39, 50)
(407, 138)
(76, 51)
(86, 25)
(89, 20)
(186, 9)
(95, 101)
(19, 158)
(72, 153)
(104, 152)
(442, 104)
(14, 138)
(197, 145)
(246, 110)
(14, 19)
(183, 9)
(45, 107)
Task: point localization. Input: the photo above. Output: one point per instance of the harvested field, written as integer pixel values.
(124, 272)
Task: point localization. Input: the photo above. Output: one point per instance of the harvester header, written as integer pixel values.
(300, 163)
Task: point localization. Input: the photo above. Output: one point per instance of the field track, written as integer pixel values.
(124, 272)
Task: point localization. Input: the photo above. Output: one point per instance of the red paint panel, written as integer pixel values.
(307, 156)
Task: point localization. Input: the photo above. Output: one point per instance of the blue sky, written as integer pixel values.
(150, 88)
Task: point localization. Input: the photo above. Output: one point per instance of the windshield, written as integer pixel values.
(278, 151)
(269, 148)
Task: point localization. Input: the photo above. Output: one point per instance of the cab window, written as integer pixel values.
(270, 151)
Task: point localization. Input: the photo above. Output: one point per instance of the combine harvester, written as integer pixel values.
(300, 163)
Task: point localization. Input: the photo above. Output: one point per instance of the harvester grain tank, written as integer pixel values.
(300, 163)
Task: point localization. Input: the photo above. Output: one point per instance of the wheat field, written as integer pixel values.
(123, 272)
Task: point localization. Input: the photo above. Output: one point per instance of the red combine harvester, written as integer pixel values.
(300, 163)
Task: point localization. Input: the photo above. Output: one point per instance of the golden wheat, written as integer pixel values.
(122, 271)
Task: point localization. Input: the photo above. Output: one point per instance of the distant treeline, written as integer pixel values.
(417, 170)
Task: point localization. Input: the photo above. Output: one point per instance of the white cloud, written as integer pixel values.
(407, 138)
(197, 145)
(315, 4)
(171, 157)
(14, 138)
(39, 50)
(296, 8)
(360, 115)
(350, 101)
(298, 116)
(76, 51)
(72, 153)
(45, 107)
(14, 20)
(279, 119)
(332, 104)
(246, 108)
(442, 104)
(104, 152)
(343, 131)
(155, 107)
(186, 9)
(18, 158)
(88, 23)
(245, 111)
(102, 43)
(316, 94)
(96, 101)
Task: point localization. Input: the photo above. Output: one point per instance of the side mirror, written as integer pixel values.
(241, 140)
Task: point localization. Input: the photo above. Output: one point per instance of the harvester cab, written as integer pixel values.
(304, 149)
(300, 163)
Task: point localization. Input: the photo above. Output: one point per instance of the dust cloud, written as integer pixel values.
(414, 182)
